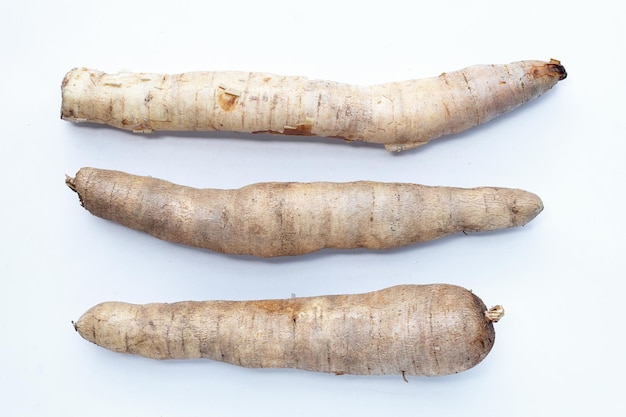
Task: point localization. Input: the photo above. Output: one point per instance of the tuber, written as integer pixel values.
(426, 330)
(399, 115)
(280, 219)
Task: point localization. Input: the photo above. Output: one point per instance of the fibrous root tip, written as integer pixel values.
(494, 314)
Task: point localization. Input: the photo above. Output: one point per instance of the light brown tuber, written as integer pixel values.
(279, 219)
(399, 115)
(427, 330)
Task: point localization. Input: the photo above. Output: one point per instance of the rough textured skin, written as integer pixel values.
(428, 330)
(279, 219)
(400, 115)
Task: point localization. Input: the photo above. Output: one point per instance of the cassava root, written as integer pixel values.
(399, 115)
(427, 330)
(280, 219)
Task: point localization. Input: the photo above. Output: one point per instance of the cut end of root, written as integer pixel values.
(495, 313)
(550, 69)
(557, 68)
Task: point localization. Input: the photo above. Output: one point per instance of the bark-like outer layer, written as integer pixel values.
(400, 115)
(280, 219)
(428, 330)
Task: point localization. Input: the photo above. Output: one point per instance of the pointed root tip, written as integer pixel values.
(69, 181)
(525, 207)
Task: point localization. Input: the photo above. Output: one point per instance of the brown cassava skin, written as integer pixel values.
(281, 219)
(427, 330)
(399, 115)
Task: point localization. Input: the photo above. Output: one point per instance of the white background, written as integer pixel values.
(559, 349)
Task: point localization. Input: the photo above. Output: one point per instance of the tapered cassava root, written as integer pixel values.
(399, 115)
(280, 219)
(427, 330)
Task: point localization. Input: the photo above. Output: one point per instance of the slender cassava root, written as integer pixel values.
(428, 330)
(399, 115)
(279, 219)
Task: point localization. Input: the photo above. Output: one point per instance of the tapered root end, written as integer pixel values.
(69, 181)
(525, 206)
(84, 326)
(107, 325)
(552, 69)
(95, 322)
(79, 326)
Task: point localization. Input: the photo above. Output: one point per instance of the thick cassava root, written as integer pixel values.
(280, 219)
(399, 115)
(427, 330)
